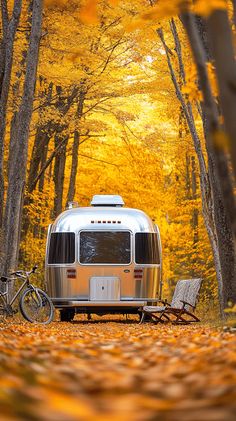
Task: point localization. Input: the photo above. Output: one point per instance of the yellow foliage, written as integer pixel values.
(205, 8)
(114, 2)
(50, 4)
(132, 118)
(88, 12)
(191, 87)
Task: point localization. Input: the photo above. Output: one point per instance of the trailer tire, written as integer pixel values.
(67, 315)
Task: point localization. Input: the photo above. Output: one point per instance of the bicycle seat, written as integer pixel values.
(17, 273)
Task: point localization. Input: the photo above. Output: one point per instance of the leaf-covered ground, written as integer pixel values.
(116, 370)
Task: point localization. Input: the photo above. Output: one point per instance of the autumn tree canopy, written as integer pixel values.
(134, 98)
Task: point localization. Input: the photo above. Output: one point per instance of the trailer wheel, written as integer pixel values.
(67, 315)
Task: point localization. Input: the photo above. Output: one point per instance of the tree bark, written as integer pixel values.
(222, 193)
(197, 38)
(9, 32)
(194, 197)
(220, 35)
(20, 134)
(59, 173)
(205, 185)
(234, 8)
(75, 149)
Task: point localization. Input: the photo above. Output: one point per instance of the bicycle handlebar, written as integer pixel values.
(19, 273)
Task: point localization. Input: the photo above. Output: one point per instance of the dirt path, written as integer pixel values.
(116, 371)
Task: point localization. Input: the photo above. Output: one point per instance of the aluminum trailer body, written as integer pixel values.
(103, 259)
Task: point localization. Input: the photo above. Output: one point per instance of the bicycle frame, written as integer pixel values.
(17, 292)
(5, 296)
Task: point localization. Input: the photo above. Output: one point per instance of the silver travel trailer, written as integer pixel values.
(103, 259)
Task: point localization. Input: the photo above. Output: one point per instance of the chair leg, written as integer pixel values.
(196, 319)
(156, 319)
(165, 316)
(178, 315)
(142, 318)
(181, 320)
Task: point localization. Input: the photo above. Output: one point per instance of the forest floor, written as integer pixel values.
(112, 369)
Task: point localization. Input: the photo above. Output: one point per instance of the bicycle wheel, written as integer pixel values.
(36, 306)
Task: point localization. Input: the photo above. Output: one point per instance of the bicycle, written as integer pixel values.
(34, 304)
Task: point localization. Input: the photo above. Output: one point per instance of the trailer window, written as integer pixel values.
(105, 247)
(62, 248)
(146, 248)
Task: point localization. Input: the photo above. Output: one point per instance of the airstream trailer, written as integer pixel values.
(103, 259)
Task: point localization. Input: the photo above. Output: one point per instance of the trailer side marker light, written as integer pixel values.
(138, 270)
(71, 273)
(138, 276)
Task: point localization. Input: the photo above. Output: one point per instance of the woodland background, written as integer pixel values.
(121, 97)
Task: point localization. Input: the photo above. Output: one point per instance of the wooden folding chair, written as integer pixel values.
(185, 314)
(184, 298)
(157, 313)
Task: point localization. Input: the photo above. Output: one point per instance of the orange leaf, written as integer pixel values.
(88, 12)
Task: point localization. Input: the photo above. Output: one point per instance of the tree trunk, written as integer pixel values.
(197, 38)
(41, 141)
(74, 167)
(38, 162)
(59, 174)
(194, 197)
(220, 35)
(222, 194)
(75, 149)
(20, 133)
(9, 32)
(205, 182)
(187, 175)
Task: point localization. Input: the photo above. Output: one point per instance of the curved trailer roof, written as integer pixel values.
(103, 218)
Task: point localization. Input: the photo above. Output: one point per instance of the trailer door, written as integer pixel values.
(105, 253)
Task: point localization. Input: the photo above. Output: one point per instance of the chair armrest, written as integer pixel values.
(187, 304)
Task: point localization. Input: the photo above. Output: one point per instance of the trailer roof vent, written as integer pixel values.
(107, 200)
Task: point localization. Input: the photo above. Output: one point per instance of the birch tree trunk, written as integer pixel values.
(20, 134)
